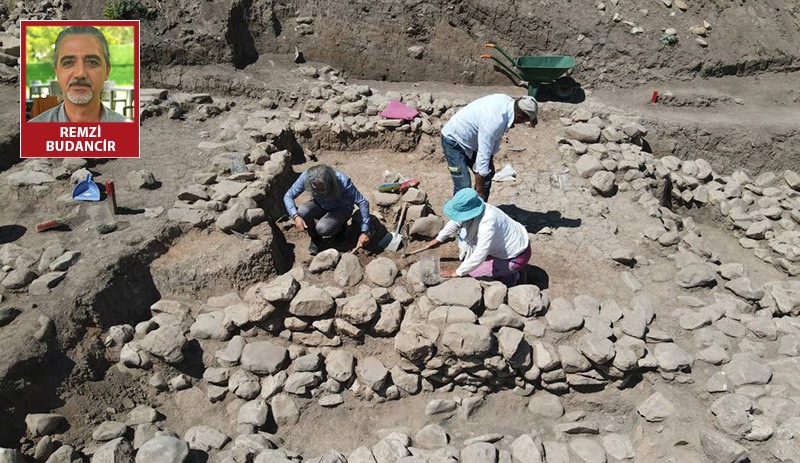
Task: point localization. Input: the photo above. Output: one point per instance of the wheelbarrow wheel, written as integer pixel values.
(564, 87)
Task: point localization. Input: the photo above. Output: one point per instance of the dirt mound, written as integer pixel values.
(615, 43)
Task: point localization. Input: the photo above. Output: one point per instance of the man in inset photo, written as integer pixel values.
(82, 65)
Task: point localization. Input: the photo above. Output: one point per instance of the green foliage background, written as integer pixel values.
(40, 48)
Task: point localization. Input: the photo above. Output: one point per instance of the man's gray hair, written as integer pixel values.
(83, 30)
(322, 182)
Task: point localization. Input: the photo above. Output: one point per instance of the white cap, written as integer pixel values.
(529, 106)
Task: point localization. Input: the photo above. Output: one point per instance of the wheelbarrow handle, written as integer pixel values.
(506, 55)
(504, 66)
(489, 45)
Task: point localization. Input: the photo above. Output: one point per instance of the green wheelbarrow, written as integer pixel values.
(535, 71)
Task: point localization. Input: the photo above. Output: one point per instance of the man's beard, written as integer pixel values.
(81, 99)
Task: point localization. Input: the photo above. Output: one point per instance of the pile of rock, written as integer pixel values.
(478, 336)
(355, 109)
(420, 220)
(240, 179)
(609, 152)
(142, 437)
(183, 106)
(764, 212)
(35, 269)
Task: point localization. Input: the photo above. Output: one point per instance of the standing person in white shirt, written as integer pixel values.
(490, 243)
(472, 137)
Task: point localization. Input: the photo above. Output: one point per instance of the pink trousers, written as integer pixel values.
(496, 268)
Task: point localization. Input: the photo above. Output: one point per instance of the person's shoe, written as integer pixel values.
(313, 248)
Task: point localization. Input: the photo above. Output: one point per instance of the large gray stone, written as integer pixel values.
(464, 292)
(720, 449)
(29, 178)
(109, 430)
(526, 449)
(417, 342)
(696, 275)
(527, 300)
(744, 370)
(311, 301)
(360, 309)
(448, 315)
(282, 288)
(744, 288)
(163, 449)
(619, 446)
(596, 348)
(382, 271)
(63, 454)
(210, 326)
(390, 319)
(325, 260)
(141, 415)
(43, 424)
(284, 410)
(588, 165)
(583, 132)
(373, 373)
(562, 316)
(118, 450)
(46, 282)
(656, 408)
(513, 347)
(253, 413)
(478, 452)
(587, 450)
(18, 278)
(466, 340)
(546, 405)
(603, 183)
(732, 414)
(244, 384)
(340, 365)
(235, 218)
(349, 271)
(671, 357)
(361, 455)
(427, 227)
(165, 342)
(264, 357)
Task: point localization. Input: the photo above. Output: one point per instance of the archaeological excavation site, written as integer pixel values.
(180, 314)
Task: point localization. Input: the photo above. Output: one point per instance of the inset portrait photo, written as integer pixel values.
(79, 92)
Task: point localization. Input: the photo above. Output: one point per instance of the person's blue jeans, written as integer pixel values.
(459, 163)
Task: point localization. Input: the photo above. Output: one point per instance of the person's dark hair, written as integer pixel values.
(83, 30)
(321, 181)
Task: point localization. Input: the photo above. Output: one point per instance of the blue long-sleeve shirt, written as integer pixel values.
(350, 196)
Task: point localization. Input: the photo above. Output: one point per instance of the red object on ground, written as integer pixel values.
(55, 223)
(111, 195)
(654, 98)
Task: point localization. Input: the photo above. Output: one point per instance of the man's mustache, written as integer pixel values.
(83, 82)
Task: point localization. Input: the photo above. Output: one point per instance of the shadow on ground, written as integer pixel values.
(536, 221)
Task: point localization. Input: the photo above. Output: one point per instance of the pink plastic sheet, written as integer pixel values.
(397, 110)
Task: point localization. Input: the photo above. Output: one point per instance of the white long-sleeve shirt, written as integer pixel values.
(479, 127)
(499, 236)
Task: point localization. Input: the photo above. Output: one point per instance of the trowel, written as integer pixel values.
(394, 240)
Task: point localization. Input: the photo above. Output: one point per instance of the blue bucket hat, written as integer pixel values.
(465, 205)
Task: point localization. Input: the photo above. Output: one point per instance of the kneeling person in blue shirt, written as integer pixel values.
(333, 197)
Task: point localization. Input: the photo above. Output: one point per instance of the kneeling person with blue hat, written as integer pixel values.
(490, 243)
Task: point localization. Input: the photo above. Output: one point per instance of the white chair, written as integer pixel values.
(110, 95)
(35, 88)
